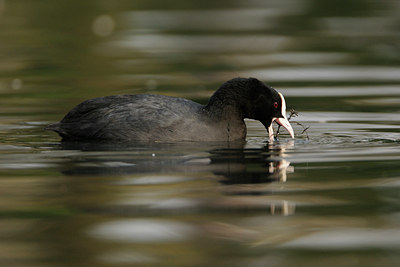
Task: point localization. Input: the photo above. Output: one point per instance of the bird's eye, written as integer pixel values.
(276, 105)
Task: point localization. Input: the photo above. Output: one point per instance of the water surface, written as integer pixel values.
(331, 196)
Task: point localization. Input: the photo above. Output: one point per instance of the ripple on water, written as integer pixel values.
(348, 91)
(348, 238)
(20, 166)
(143, 231)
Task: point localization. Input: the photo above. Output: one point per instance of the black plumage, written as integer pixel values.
(147, 117)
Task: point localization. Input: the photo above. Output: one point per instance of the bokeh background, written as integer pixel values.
(330, 200)
(56, 54)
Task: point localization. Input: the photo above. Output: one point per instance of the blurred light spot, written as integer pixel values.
(142, 231)
(16, 84)
(103, 25)
(151, 84)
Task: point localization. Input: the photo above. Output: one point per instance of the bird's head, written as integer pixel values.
(267, 106)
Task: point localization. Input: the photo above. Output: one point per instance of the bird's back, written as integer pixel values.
(129, 117)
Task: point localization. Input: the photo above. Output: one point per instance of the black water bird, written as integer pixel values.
(148, 117)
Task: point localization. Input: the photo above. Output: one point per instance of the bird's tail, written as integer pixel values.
(53, 127)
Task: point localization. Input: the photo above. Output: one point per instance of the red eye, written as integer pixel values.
(276, 105)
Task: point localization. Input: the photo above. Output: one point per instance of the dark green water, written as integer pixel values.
(330, 200)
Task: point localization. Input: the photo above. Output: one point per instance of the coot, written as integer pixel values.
(147, 117)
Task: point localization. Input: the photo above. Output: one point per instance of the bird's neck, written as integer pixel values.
(227, 119)
(228, 102)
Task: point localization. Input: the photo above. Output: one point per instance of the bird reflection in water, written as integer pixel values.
(252, 166)
(247, 175)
